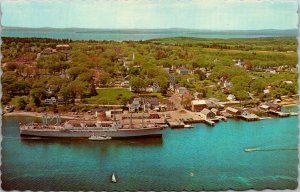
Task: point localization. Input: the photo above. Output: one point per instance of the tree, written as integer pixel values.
(137, 83)
(20, 102)
(103, 78)
(163, 83)
(79, 88)
(38, 94)
(200, 74)
(75, 71)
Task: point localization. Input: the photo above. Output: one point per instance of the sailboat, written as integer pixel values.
(113, 178)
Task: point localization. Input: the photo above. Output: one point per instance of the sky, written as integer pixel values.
(152, 14)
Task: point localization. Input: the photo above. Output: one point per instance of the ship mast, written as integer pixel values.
(143, 120)
(130, 120)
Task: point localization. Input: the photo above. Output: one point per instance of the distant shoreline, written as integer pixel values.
(72, 116)
(142, 34)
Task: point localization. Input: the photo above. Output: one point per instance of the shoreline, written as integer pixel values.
(290, 105)
(36, 114)
(77, 116)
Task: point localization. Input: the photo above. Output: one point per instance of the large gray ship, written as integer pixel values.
(88, 128)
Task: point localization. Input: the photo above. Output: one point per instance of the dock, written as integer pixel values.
(209, 122)
(176, 124)
(250, 117)
(279, 113)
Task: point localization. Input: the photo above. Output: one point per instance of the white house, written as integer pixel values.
(50, 101)
(231, 97)
(181, 90)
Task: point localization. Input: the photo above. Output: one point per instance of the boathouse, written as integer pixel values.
(274, 107)
(233, 111)
(215, 111)
(270, 106)
(207, 114)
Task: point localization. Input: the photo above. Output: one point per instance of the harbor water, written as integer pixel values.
(199, 158)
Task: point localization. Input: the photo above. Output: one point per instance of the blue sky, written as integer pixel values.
(145, 14)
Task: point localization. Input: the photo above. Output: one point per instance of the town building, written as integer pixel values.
(111, 113)
(166, 69)
(135, 105)
(198, 95)
(181, 90)
(50, 101)
(191, 80)
(234, 111)
(215, 111)
(125, 84)
(207, 114)
(182, 71)
(62, 47)
(288, 82)
(270, 106)
(231, 97)
(153, 88)
(198, 105)
(172, 78)
(151, 103)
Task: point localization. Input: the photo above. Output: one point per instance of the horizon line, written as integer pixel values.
(182, 28)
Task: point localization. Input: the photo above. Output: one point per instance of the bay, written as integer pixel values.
(140, 34)
(203, 157)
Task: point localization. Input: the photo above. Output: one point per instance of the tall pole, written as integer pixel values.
(143, 120)
(130, 120)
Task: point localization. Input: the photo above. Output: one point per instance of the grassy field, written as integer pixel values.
(110, 96)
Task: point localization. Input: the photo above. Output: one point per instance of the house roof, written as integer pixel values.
(264, 106)
(182, 88)
(182, 69)
(272, 105)
(214, 110)
(198, 102)
(232, 109)
(213, 99)
(151, 100)
(205, 111)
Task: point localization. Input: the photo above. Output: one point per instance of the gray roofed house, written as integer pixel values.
(215, 111)
(151, 103)
(183, 71)
(234, 111)
(207, 114)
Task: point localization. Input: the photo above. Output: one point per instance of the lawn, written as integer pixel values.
(110, 96)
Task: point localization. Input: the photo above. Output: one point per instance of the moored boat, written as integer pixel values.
(188, 126)
(86, 129)
(99, 138)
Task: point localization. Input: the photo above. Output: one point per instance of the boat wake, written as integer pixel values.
(274, 149)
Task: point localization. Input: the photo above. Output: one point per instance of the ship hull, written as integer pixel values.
(122, 133)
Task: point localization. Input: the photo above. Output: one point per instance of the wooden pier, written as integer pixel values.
(250, 117)
(279, 113)
(209, 122)
(176, 124)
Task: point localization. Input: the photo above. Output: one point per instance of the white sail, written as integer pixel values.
(113, 178)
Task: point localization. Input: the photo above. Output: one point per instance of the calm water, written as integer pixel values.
(140, 34)
(203, 157)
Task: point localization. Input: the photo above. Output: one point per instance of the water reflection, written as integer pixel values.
(73, 142)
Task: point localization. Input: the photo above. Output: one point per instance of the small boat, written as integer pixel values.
(188, 126)
(250, 149)
(99, 138)
(113, 178)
